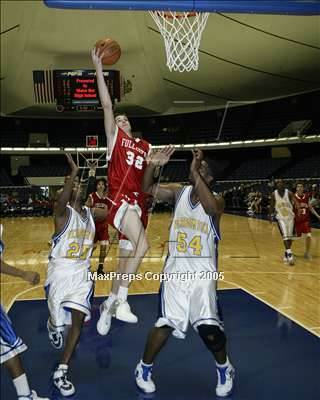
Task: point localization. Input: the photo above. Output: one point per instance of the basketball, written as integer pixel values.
(111, 50)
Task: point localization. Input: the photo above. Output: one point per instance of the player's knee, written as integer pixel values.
(213, 337)
(77, 319)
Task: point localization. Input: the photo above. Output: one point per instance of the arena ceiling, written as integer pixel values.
(242, 57)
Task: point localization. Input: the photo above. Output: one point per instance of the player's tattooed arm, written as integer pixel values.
(105, 99)
(156, 160)
(29, 276)
(212, 204)
(64, 197)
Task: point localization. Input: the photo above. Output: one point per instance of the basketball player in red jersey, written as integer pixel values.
(98, 199)
(127, 163)
(302, 217)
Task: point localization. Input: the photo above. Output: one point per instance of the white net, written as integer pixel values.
(182, 35)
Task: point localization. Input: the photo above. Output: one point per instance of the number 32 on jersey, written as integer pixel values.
(132, 160)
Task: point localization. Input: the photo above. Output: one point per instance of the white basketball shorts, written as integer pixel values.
(68, 292)
(193, 301)
(286, 227)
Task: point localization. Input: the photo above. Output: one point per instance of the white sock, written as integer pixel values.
(289, 252)
(146, 365)
(122, 293)
(63, 366)
(226, 364)
(110, 299)
(22, 386)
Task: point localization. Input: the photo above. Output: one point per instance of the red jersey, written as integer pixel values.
(97, 201)
(303, 213)
(127, 164)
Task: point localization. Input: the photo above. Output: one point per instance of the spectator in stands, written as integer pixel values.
(235, 198)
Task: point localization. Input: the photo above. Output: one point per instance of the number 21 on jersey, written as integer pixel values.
(132, 160)
(77, 252)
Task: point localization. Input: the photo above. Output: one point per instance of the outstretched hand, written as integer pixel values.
(96, 57)
(73, 165)
(197, 158)
(161, 157)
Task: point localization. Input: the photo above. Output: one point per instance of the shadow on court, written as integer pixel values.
(274, 358)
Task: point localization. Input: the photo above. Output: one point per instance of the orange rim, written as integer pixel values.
(168, 15)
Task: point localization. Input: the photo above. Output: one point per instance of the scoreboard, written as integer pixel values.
(76, 90)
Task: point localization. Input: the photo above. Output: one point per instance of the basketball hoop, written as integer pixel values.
(182, 35)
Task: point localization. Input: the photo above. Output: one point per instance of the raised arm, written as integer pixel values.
(212, 204)
(62, 201)
(105, 99)
(157, 160)
(91, 183)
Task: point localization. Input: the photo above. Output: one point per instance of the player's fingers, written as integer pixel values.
(94, 53)
(197, 153)
(171, 151)
(168, 150)
(68, 155)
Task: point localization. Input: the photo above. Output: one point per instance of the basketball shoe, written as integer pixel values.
(104, 322)
(308, 256)
(225, 380)
(143, 375)
(290, 258)
(55, 337)
(32, 396)
(124, 313)
(61, 381)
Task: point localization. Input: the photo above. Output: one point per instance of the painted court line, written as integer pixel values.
(276, 309)
(281, 312)
(279, 309)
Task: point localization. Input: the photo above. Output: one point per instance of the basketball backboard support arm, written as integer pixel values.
(94, 157)
(302, 7)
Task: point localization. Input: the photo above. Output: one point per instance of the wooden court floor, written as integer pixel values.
(250, 256)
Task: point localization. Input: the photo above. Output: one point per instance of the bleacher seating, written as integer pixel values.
(305, 168)
(43, 170)
(5, 179)
(260, 168)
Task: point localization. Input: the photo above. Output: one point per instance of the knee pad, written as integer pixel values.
(213, 337)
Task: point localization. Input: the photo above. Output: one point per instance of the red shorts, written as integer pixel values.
(302, 227)
(102, 234)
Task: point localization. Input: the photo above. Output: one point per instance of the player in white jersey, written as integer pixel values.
(283, 203)
(11, 345)
(67, 286)
(190, 293)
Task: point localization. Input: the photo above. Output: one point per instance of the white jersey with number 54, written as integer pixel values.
(193, 239)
